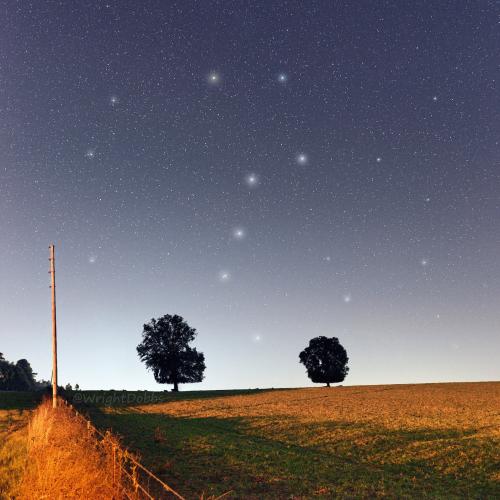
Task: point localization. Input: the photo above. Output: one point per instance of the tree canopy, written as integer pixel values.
(325, 360)
(16, 376)
(166, 351)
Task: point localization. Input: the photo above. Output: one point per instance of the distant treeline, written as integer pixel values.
(18, 376)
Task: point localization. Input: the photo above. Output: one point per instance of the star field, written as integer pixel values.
(287, 168)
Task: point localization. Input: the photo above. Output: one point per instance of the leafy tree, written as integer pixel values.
(6, 374)
(43, 385)
(165, 350)
(26, 374)
(325, 360)
(16, 377)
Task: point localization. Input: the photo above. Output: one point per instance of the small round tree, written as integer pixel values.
(166, 351)
(325, 360)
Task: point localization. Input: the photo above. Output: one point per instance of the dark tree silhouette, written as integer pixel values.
(16, 377)
(325, 360)
(165, 350)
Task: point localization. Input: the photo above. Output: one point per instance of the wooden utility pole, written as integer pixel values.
(54, 326)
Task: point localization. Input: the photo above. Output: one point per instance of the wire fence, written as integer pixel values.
(130, 478)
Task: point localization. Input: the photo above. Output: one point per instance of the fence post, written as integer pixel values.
(134, 478)
(114, 466)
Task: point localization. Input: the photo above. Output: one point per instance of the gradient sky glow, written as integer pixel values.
(269, 170)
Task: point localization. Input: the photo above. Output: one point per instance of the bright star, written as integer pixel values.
(379, 159)
(435, 98)
(347, 298)
(92, 259)
(282, 78)
(257, 338)
(90, 154)
(113, 100)
(252, 180)
(424, 262)
(213, 78)
(302, 159)
(239, 233)
(224, 276)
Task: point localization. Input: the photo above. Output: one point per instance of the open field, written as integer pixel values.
(15, 409)
(434, 440)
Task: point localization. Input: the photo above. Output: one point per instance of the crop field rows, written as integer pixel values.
(439, 440)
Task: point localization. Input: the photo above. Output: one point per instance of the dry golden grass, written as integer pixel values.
(439, 440)
(13, 441)
(15, 410)
(460, 405)
(64, 461)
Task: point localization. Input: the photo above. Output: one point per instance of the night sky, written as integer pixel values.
(269, 170)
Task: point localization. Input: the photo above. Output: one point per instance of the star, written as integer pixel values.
(239, 233)
(347, 298)
(379, 159)
(90, 154)
(424, 262)
(213, 78)
(257, 338)
(328, 258)
(92, 259)
(224, 276)
(282, 78)
(435, 98)
(113, 100)
(302, 159)
(252, 180)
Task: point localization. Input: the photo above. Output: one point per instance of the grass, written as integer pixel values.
(429, 440)
(400, 441)
(15, 409)
(112, 398)
(47, 453)
(63, 458)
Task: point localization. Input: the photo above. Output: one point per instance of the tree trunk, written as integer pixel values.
(176, 387)
(328, 384)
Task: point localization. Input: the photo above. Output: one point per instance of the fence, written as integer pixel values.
(130, 478)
